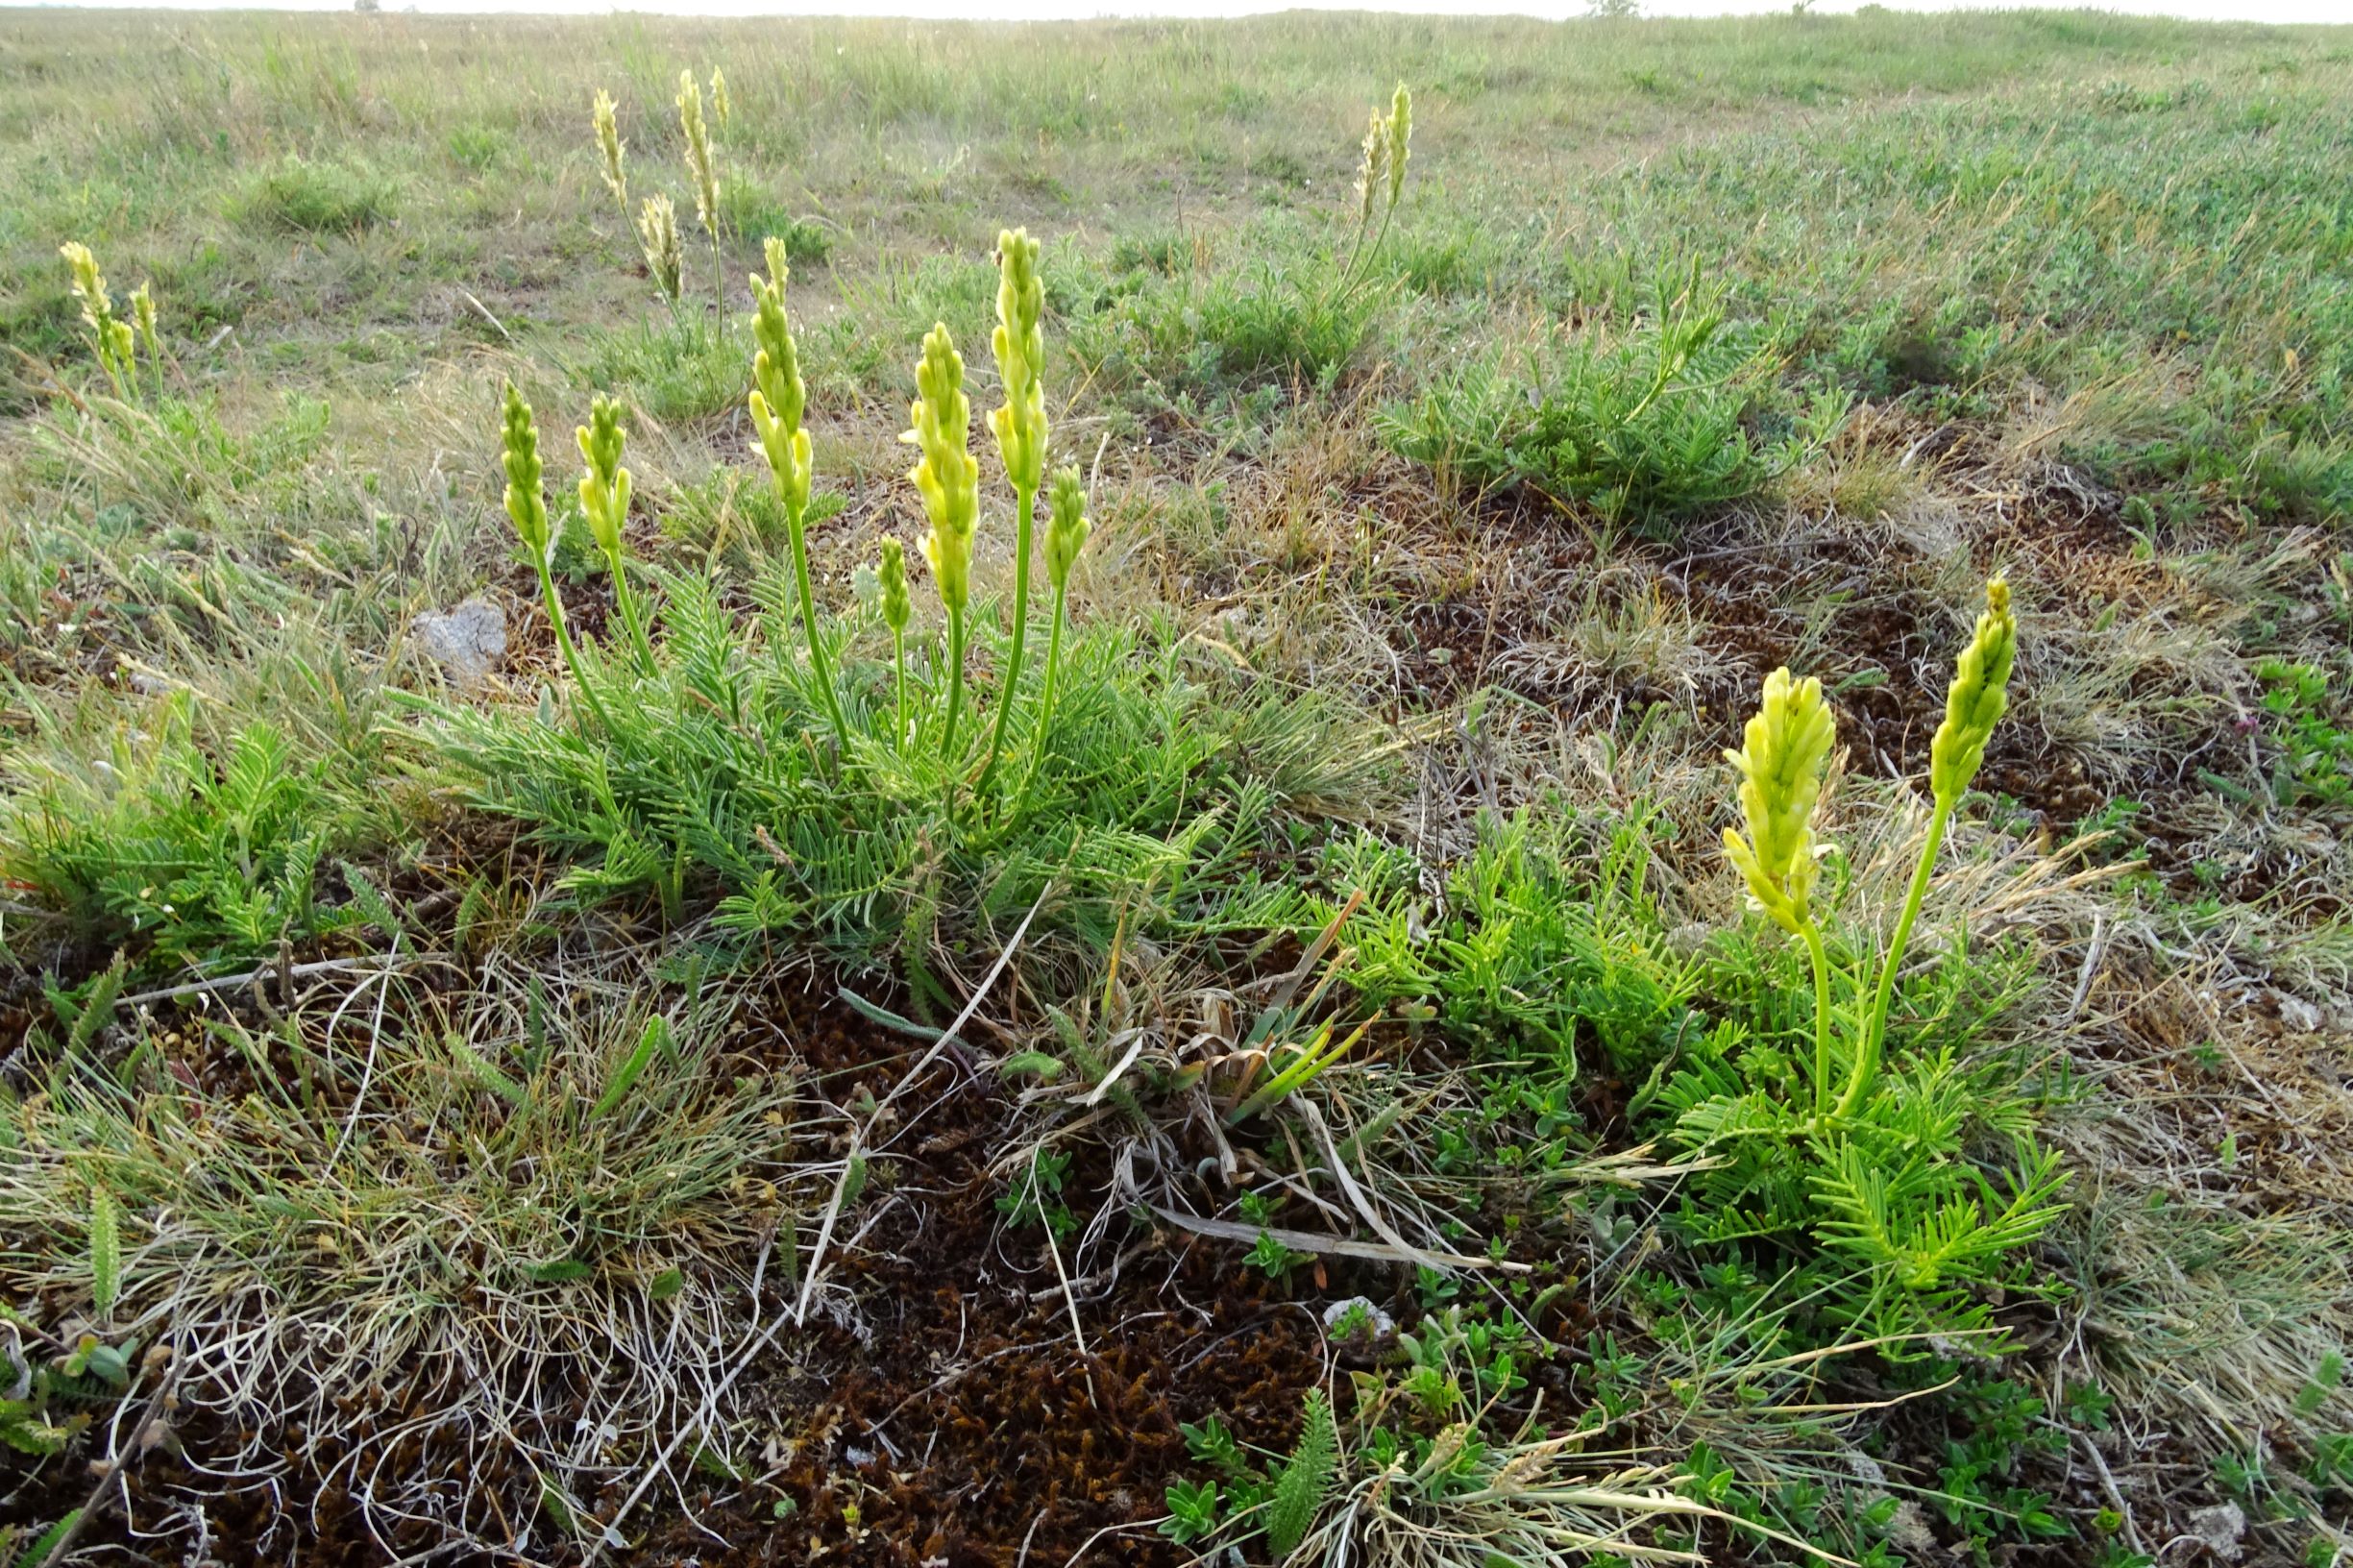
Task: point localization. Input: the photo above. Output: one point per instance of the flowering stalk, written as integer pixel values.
(897, 612)
(778, 399)
(110, 335)
(657, 234)
(605, 499)
(1786, 748)
(701, 167)
(720, 103)
(1973, 704)
(948, 480)
(1020, 430)
(1387, 139)
(1065, 535)
(143, 312)
(526, 504)
(609, 152)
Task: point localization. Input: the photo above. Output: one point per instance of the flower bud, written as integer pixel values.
(1976, 699)
(1066, 529)
(890, 572)
(527, 502)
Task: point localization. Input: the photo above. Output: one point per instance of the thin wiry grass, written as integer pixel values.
(397, 1219)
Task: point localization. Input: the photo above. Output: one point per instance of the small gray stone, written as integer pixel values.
(2221, 1528)
(469, 642)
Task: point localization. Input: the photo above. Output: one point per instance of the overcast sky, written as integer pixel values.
(2239, 11)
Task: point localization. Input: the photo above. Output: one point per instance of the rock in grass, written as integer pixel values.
(468, 643)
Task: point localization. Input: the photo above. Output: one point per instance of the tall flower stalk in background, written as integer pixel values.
(1973, 704)
(110, 335)
(143, 312)
(778, 399)
(701, 169)
(1785, 748)
(609, 152)
(948, 480)
(657, 234)
(1380, 179)
(1020, 429)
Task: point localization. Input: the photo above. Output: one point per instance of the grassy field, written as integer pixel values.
(757, 1009)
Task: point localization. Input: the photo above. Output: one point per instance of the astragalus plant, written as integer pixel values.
(810, 773)
(1872, 1158)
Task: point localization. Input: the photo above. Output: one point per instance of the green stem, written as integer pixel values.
(1875, 1024)
(1821, 1017)
(955, 692)
(797, 533)
(1023, 503)
(1045, 703)
(898, 682)
(572, 654)
(632, 615)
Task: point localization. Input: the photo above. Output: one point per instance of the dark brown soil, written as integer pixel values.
(949, 1418)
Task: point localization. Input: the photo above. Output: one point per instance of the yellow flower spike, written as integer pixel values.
(89, 288)
(605, 499)
(527, 500)
(699, 166)
(778, 400)
(610, 150)
(946, 475)
(1401, 136)
(779, 395)
(948, 480)
(1019, 340)
(1977, 698)
(1973, 704)
(657, 234)
(721, 105)
(1021, 428)
(526, 504)
(1373, 168)
(1066, 529)
(605, 489)
(109, 336)
(1787, 745)
(703, 166)
(890, 572)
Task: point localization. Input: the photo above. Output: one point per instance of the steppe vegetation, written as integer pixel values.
(1608, 818)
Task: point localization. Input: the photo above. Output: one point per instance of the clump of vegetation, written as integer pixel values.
(826, 796)
(317, 198)
(1876, 1164)
(1662, 423)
